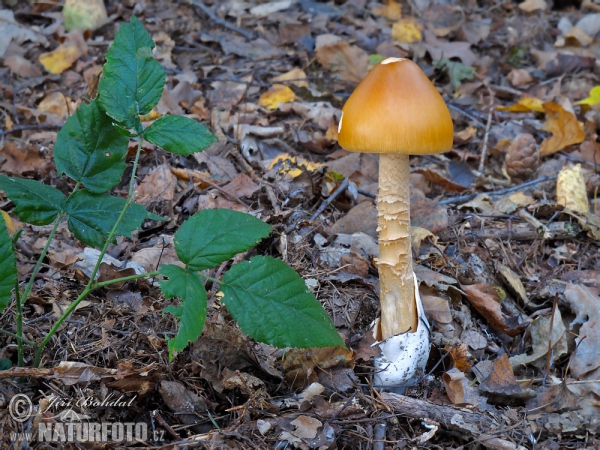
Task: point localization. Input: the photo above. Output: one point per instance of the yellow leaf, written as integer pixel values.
(593, 99)
(298, 75)
(56, 103)
(467, 133)
(10, 225)
(62, 58)
(152, 115)
(290, 165)
(565, 129)
(391, 10)
(407, 30)
(276, 95)
(526, 104)
(570, 189)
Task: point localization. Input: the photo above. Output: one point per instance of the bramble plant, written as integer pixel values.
(267, 298)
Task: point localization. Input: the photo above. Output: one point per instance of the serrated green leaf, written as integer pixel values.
(91, 217)
(212, 236)
(132, 80)
(90, 149)
(191, 313)
(8, 267)
(36, 203)
(179, 135)
(271, 303)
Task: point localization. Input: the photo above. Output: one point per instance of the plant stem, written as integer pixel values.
(19, 317)
(129, 278)
(90, 285)
(36, 269)
(17, 337)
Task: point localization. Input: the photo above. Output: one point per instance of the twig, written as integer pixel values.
(466, 198)
(342, 187)
(487, 132)
(216, 19)
(219, 188)
(41, 126)
(156, 415)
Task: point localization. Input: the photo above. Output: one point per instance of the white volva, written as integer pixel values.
(403, 357)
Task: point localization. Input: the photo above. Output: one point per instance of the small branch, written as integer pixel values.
(481, 426)
(216, 19)
(340, 190)
(466, 198)
(484, 149)
(26, 372)
(41, 126)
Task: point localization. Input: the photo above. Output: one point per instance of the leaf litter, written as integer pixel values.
(507, 257)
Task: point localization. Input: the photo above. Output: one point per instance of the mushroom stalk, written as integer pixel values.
(396, 283)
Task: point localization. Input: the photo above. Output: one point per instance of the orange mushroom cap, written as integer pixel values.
(396, 109)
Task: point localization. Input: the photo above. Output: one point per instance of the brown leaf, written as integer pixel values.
(486, 299)
(21, 159)
(158, 186)
(348, 62)
(301, 366)
(241, 186)
(497, 377)
(565, 129)
(22, 67)
(437, 178)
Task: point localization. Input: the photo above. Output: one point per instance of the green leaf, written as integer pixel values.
(271, 303)
(132, 80)
(8, 266)
(191, 313)
(179, 135)
(36, 203)
(90, 149)
(457, 71)
(212, 236)
(5, 364)
(91, 217)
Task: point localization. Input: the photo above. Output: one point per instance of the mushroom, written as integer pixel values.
(396, 111)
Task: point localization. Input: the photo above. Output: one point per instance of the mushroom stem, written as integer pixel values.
(396, 284)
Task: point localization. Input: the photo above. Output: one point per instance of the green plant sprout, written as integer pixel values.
(267, 298)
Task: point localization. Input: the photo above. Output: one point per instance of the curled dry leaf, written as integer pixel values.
(570, 189)
(348, 62)
(487, 300)
(407, 30)
(565, 129)
(277, 94)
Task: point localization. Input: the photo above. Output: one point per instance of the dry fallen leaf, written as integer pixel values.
(407, 30)
(392, 10)
(84, 14)
(565, 129)
(22, 67)
(14, 31)
(533, 5)
(525, 104)
(277, 94)
(348, 62)
(63, 57)
(56, 104)
(296, 77)
(491, 304)
(570, 189)
(158, 186)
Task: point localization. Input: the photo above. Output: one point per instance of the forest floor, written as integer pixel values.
(506, 233)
